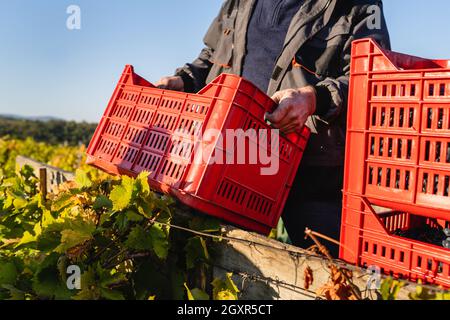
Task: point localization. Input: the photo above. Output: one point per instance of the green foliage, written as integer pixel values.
(196, 294)
(225, 289)
(53, 131)
(117, 231)
(61, 156)
(390, 288)
(426, 294)
(196, 252)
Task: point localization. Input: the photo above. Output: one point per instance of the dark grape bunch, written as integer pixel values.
(446, 243)
(427, 234)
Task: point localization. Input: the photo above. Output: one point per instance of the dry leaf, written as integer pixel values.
(309, 278)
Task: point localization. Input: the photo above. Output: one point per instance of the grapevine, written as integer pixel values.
(115, 230)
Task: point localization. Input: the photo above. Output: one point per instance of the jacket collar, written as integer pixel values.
(310, 10)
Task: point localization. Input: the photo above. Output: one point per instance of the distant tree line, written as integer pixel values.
(52, 131)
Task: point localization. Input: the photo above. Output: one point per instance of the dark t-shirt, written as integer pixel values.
(266, 35)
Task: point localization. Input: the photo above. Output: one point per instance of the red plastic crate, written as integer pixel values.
(149, 129)
(397, 157)
(368, 239)
(398, 140)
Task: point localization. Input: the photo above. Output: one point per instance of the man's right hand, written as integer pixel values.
(171, 83)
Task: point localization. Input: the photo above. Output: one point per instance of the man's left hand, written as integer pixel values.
(294, 108)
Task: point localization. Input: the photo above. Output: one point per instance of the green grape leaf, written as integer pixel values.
(89, 290)
(196, 251)
(225, 289)
(46, 281)
(196, 294)
(97, 283)
(8, 273)
(14, 293)
(27, 172)
(79, 233)
(390, 289)
(159, 240)
(154, 239)
(145, 208)
(121, 197)
(229, 283)
(108, 278)
(102, 202)
(49, 240)
(133, 216)
(139, 239)
(142, 183)
(20, 203)
(29, 238)
(63, 201)
(111, 294)
(82, 179)
(48, 219)
(225, 295)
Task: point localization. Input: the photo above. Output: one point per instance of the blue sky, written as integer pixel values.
(49, 70)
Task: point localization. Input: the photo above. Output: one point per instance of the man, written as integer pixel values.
(298, 51)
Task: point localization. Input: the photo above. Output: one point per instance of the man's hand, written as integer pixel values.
(171, 83)
(294, 108)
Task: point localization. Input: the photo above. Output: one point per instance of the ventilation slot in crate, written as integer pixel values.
(384, 176)
(106, 149)
(396, 221)
(253, 124)
(406, 89)
(259, 204)
(395, 117)
(157, 142)
(171, 104)
(375, 249)
(285, 150)
(114, 129)
(172, 171)
(149, 100)
(436, 119)
(135, 135)
(165, 121)
(128, 96)
(148, 161)
(126, 154)
(434, 183)
(196, 108)
(393, 147)
(437, 90)
(143, 116)
(122, 111)
(189, 126)
(181, 148)
(435, 151)
(232, 192)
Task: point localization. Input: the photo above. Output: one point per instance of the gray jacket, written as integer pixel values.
(316, 52)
